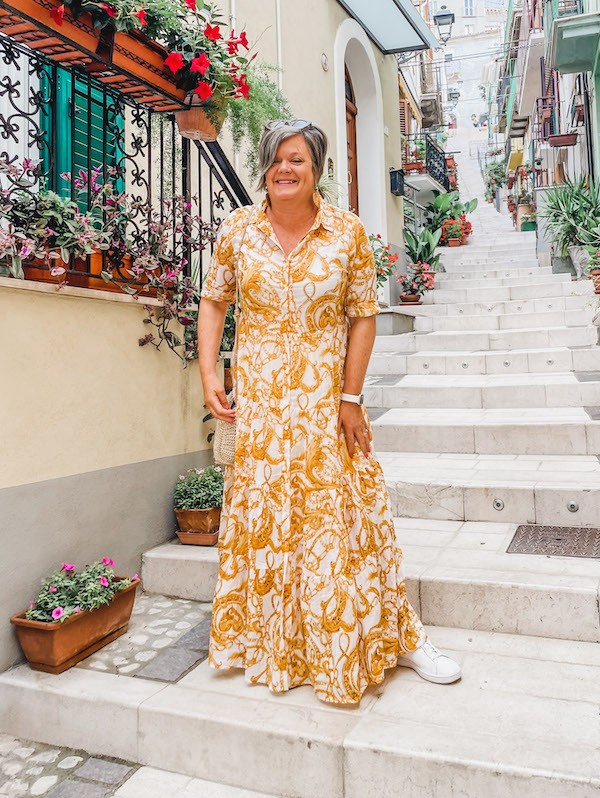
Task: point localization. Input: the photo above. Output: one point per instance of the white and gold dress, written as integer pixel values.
(310, 587)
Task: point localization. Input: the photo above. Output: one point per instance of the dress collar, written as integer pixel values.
(324, 217)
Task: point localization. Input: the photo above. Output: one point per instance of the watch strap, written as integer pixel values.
(357, 399)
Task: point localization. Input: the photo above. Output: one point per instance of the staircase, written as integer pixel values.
(485, 417)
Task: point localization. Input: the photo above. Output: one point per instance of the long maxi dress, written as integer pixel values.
(310, 587)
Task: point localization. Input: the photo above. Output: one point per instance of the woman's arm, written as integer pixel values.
(211, 321)
(360, 346)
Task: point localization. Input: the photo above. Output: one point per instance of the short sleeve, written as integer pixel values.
(361, 294)
(220, 282)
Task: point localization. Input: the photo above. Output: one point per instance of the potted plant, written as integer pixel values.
(415, 161)
(562, 139)
(571, 217)
(198, 501)
(384, 259)
(452, 232)
(413, 285)
(593, 268)
(74, 615)
(528, 222)
(421, 248)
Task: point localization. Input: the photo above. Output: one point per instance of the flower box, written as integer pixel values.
(528, 226)
(454, 242)
(129, 62)
(414, 166)
(55, 647)
(83, 275)
(562, 140)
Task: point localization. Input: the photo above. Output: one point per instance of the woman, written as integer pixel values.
(310, 587)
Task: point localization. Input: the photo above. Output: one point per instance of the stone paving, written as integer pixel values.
(28, 769)
(166, 638)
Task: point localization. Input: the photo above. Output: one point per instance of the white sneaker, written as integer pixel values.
(431, 664)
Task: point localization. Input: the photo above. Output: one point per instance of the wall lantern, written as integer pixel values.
(444, 19)
(397, 182)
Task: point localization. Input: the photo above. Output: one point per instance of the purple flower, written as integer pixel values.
(57, 613)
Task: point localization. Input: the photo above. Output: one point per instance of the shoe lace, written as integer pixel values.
(431, 650)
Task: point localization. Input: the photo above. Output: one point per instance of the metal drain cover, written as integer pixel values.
(556, 541)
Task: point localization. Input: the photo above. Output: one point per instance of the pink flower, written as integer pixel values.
(76, 609)
(68, 566)
(104, 581)
(135, 577)
(57, 613)
(52, 588)
(108, 561)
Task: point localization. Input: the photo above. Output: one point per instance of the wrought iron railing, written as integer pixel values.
(65, 121)
(435, 162)
(546, 121)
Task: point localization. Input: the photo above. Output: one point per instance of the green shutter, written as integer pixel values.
(87, 144)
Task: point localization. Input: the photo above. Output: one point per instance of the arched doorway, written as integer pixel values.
(351, 112)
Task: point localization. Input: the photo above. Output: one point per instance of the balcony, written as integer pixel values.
(425, 166)
(573, 34)
(531, 51)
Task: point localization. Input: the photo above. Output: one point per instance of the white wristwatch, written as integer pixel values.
(357, 399)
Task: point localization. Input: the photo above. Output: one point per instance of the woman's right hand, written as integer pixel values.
(215, 399)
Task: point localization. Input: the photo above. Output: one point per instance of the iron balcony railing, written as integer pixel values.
(67, 122)
(422, 149)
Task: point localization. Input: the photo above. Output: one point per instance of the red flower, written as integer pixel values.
(174, 61)
(141, 15)
(203, 90)
(58, 14)
(110, 10)
(243, 40)
(212, 32)
(200, 64)
(232, 47)
(191, 4)
(243, 87)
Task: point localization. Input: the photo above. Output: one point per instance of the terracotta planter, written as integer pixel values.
(594, 275)
(454, 242)
(410, 299)
(562, 140)
(55, 647)
(195, 124)
(414, 166)
(198, 527)
(84, 274)
(463, 240)
(128, 62)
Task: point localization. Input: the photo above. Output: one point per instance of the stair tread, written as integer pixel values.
(486, 415)
(480, 380)
(532, 710)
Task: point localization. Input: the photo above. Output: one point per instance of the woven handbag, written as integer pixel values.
(224, 440)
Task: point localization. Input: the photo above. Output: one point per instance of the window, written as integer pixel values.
(469, 30)
(469, 11)
(448, 56)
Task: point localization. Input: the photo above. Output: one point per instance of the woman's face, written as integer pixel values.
(291, 176)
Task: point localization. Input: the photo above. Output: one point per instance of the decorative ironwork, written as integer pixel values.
(435, 162)
(556, 541)
(66, 121)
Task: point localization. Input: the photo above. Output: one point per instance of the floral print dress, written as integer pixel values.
(310, 587)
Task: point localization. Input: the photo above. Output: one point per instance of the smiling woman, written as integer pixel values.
(310, 587)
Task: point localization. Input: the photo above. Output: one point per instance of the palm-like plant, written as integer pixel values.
(571, 214)
(421, 248)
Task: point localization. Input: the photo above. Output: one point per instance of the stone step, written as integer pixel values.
(428, 308)
(483, 390)
(522, 721)
(453, 568)
(504, 321)
(520, 489)
(479, 341)
(516, 361)
(156, 783)
(524, 430)
(482, 281)
(442, 278)
(475, 265)
(538, 290)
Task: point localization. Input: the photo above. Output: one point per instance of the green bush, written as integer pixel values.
(199, 489)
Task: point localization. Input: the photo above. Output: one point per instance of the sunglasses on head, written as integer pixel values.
(297, 124)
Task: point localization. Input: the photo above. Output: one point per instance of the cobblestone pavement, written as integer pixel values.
(166, 638)
(28, 769)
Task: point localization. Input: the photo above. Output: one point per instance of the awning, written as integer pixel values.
(395, 26)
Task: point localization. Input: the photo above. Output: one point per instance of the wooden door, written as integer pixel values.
(351, 112)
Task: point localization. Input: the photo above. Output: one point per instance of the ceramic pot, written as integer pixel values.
(454, 242)
(198, 527)
(410, 299)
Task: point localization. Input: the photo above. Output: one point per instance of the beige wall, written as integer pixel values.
(82, 395)
(95, 430)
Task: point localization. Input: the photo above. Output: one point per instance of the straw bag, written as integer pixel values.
(224, 440)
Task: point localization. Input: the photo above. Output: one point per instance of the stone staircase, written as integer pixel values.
(485, 417)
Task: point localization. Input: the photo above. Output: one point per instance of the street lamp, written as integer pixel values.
(444, 19)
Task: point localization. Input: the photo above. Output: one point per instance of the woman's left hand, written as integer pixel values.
(352, 421)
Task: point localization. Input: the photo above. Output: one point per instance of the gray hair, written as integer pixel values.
(315, 139)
